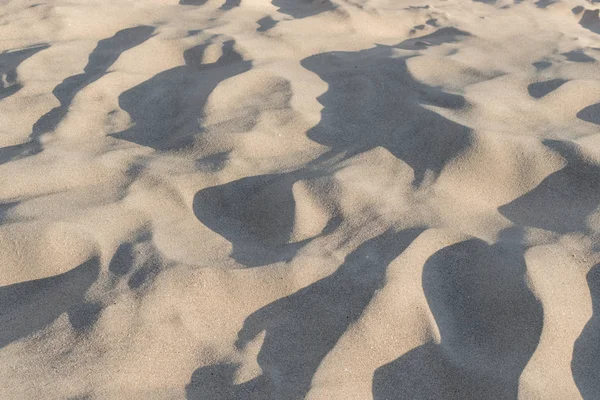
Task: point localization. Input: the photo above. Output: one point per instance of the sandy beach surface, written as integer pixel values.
(299, 199)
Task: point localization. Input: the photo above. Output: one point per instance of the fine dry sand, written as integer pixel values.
(289, 199)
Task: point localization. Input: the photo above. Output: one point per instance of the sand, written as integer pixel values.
(299, 199)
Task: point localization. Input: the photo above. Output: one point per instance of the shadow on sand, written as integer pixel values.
(167, 109)
(9, 61)
(563, 201)
(192, 2)
(378, 104)
(590, 20)
(30, 306)
(303, 8)
(102, 57)
(540, 89)
(372, 100)
(590, 114)
(489, 323)
(303, 327)
(257, 215)
(586, 351)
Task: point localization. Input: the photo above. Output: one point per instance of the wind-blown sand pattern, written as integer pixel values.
(300, 199)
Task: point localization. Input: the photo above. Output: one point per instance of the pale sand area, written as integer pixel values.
(331, 199)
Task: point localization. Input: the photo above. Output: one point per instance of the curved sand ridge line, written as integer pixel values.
(299, 199)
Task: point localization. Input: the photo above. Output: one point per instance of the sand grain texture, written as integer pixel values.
(299, 199)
